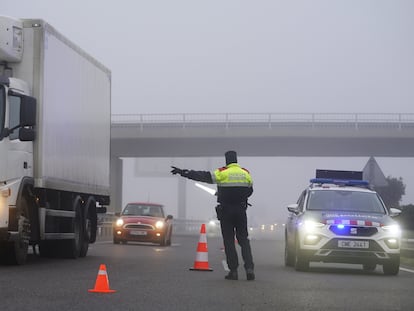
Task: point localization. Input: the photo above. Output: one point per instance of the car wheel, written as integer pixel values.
(301, 261)
(392, 267)
(169, 238)
(116, 241)
(289, 255)
(369, 266)
(163, 240)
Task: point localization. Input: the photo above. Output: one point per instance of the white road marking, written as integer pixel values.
(407, 270)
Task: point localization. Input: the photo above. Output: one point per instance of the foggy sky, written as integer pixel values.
(277, 182)
(349, 56)
(245, 56)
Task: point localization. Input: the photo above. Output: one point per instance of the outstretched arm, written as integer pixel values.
(203, 176)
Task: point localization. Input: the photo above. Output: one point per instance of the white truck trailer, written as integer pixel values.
(55, 119)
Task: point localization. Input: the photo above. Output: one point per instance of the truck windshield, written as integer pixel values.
(2, 108)
(355, 201)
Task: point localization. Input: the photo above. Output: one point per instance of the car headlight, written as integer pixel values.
(119, 222)
(392, 229)
(159, 224)
(311, 225)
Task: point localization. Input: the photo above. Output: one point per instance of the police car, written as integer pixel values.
(339, 219)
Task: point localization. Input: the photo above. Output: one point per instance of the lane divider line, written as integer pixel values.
(406, 270)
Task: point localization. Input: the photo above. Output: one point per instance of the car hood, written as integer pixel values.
(140, 219)
(350, 218)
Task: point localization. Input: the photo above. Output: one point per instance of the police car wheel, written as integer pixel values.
(392, 267)
(289, 255)
(301, 261)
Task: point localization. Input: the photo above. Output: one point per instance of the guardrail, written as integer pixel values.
(407, 243)
(180, 226)
(192, 227)
(184, 119)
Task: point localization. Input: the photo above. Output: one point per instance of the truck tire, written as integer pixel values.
(16, 251)
(87, 226)
(71, 248)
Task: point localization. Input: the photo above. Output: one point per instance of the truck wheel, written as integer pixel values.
(17, 250)
(169, 238)
(87, 227)
(71, 248)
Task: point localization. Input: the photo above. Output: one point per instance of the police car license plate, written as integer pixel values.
(353, 244)
(138, 233)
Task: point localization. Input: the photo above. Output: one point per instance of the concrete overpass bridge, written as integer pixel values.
(258, 134)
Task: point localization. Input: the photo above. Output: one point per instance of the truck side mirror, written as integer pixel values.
(26, 134)
(27, 111)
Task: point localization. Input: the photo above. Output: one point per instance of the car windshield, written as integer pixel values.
(143, 210)
(328, 200)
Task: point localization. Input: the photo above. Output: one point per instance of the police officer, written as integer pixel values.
(234, 186)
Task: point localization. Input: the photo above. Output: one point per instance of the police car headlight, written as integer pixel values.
(392, 229)
(159, 224)
(119, 222)
(311, 225)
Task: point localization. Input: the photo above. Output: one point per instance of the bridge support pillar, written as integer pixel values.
(116, 184)
(182, 198)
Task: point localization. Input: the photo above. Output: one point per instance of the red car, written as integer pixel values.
(143, 222)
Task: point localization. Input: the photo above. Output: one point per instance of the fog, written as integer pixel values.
(243, 56)
(278, 181)
(265, 56)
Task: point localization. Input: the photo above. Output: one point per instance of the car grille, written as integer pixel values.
(333, 244)
(139, 226)
(354, 231)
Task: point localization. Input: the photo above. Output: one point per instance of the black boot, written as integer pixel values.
(232, 276)
(250, 275)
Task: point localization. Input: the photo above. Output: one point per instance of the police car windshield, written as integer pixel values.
(337, 200)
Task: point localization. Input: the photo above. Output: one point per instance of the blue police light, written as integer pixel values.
(343, 182)
(340, 226)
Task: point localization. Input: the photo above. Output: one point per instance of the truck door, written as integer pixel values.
(20, 152)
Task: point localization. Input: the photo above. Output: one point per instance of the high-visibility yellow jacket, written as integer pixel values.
(234, 183)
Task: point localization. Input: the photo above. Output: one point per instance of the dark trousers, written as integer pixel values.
(234, 223)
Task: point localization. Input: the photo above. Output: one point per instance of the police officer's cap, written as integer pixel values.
(231, 157)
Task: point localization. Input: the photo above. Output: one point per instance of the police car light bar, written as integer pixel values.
(333, 174)
(341, 182)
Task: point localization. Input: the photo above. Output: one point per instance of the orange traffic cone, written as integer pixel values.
(102, 283)
(201, 261)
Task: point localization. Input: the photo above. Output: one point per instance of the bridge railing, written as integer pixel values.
(183, 119)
